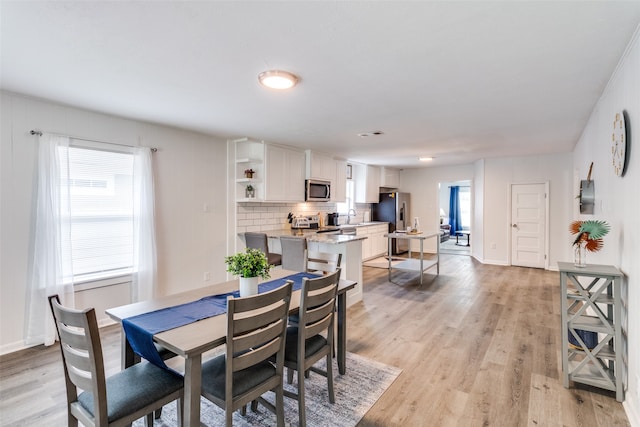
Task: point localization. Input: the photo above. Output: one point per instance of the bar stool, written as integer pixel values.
(260, 241)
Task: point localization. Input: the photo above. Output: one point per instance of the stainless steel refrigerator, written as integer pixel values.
(394, 209)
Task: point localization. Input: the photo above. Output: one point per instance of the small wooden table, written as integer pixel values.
(191, 340)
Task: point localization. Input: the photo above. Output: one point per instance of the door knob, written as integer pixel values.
(514, 225)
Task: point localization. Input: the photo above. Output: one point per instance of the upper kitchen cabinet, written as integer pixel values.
(285, 174)
(390, 178)
(320, 166)
(366, 182)
(268, 173)
(339, 187)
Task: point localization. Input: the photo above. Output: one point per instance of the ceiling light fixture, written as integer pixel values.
(425, 159)
(277, 79)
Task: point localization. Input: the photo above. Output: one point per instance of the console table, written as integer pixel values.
(593, 306)
(413, 264)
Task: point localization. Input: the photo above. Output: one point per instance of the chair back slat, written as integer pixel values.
(258, 337)
(256, 355)
(318, 302)
(247, 324)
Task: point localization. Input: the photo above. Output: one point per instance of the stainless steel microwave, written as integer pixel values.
(317, 191)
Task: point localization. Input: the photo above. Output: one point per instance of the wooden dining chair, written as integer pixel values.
(260, 241)
(114, 401)
(294, 253)
(312, 338)
(323, 262)
(256, 330)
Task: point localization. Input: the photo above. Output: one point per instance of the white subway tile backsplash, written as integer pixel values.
(272, 216)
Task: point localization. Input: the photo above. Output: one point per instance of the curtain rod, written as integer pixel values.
(39, 133)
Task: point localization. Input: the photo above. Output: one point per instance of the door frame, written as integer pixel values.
(546, 219)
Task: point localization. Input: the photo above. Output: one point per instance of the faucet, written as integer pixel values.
(349, 215)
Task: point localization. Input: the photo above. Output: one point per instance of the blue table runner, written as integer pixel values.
(141, 328)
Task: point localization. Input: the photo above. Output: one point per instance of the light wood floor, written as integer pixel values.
(478, 346)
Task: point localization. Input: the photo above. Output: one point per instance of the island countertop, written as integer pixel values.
(312, 236)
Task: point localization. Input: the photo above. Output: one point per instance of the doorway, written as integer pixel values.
(454, 201)
(529, 219)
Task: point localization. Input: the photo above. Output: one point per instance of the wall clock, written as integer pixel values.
(619, 144)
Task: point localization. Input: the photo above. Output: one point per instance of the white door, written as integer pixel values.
(528, 225)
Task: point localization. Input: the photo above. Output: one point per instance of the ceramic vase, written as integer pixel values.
(248, 286)
(580, 255)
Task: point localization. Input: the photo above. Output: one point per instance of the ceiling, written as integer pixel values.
(458, 81)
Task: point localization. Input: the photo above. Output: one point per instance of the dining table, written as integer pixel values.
(190, 341)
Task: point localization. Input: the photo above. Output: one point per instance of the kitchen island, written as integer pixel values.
(350, 246)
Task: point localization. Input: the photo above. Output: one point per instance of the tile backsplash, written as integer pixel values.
(273, 216)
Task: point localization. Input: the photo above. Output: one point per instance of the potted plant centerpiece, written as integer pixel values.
(589, 238)
(250, 265)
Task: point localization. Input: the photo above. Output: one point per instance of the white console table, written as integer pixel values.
(414, 264)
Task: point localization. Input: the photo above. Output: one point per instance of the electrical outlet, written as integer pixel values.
(207, 276)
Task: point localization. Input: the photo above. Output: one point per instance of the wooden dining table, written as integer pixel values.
(192, 340)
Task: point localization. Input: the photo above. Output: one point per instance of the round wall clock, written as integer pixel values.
(619, 144)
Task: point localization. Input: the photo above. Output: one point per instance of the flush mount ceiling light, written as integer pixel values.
(277, 79)
(374, 133)
(425, 159)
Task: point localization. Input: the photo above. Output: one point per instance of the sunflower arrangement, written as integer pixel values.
(589, 233)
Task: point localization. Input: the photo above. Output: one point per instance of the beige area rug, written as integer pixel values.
(356, 392)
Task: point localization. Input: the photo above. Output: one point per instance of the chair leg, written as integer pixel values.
(332, 398)
(289, 375)
(280, 405)
(158, 413)
(180, 410)
(301, 406)
(148, 420)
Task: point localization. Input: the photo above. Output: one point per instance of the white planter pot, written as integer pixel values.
(248, 286)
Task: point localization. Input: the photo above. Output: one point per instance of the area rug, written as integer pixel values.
(450, 247)
(356, 392)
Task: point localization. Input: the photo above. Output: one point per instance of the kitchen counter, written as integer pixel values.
(312, 236)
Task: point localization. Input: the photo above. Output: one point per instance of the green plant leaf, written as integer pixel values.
(595, 229)
(250, 263)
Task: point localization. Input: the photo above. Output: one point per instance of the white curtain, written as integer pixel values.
(144, 241)
(50, 274)
(52, 271)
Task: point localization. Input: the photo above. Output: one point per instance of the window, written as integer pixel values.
(343, 208)
(465, 207)
(99, 185)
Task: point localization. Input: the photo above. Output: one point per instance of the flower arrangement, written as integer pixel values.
(589, 234)
(250, 263)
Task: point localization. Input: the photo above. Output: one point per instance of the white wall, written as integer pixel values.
(617, 200)
(189, 173)
(498, 174)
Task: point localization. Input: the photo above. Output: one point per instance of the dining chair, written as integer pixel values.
(323, 262)
(294, 253)
(260, 241)
(117, 400)
(256, 331)
(312, 338)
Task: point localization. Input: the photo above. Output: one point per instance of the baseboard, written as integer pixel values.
(13, 347)
(493, 261)
(631, 409)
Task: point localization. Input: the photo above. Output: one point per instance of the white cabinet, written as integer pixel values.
(278, 172)
(375, 243)
(339, 187)
(390, 178)
(320, 166)
(367, 183)
(284, 174)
